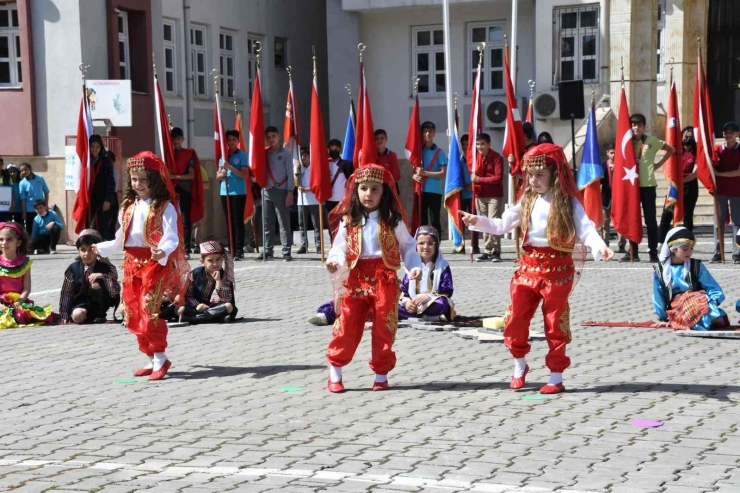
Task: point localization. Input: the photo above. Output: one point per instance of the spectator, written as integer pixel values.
(47, 228)
(278, 194)
(15, 181)
(431, 175)
(186, 176)
(32, 188)
(233, 171)
(103, 196)
(544, 138)
(727, 173)
(690, 187)
(488, 188)
(387, 158)
(307, 204)
(339, 170)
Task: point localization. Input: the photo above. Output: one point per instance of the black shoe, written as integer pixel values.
(654, 258)
(621, 249)
(239, 256)
(496, 257)
(627, 258)
(484, 258)
(302, 250)
(267, 256)
(287, 258)
(716, 259)
(736, 261)
(100, 320)
(318, 251)
(476, 251)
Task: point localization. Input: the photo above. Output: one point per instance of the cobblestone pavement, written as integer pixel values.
(227, 418)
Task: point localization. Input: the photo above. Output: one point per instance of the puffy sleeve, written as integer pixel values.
(713, 290)
(170, 237)
(509, 220)
(586, 231)
(445, 284)
(659, 301)
(107, 248)
(407, 246)
(338, 251)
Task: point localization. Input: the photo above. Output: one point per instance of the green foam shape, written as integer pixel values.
(125, 381)
(535, 397)
(292, 389)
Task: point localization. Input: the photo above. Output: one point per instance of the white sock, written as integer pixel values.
(335, 373)
(381, 378)
(150, 365)
(555, 378)
(519, 365)
(158, 361)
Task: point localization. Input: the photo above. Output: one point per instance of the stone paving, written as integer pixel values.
(226, 418)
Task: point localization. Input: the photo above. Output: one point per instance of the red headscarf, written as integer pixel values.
(544, 155)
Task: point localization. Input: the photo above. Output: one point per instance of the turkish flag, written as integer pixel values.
(625, 182)
(673, 168)
(257, 154)
(369, 151)
(706, 154)
(319, 179)
(514, 133)
(360, 118)
(249, 204)
(413, 154)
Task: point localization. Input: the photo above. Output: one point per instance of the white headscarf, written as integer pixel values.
(676, 238)
(439, 265)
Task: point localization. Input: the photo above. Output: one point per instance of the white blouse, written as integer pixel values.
(168, 243)
(371, 245)
(537, 230)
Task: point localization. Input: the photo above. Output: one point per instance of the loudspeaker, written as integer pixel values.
(570, 96)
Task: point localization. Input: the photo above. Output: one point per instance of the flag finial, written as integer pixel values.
(84, 68)
(258, 52)
(531, 84)
(349, 90)
(214, 75)
(289, 69)
(233, 96)
(621, 69)
(361, 48)
(415, 81)
(154, 65)
(454, 99)
(481, 49)
(313, 58)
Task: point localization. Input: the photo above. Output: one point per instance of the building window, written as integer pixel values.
(170, 57)
(492, 70)
(577, 47)
(429, 59)
(226, 67)
(281, 48)
(252, 60)
(124, 60)
(10, 47)
(661, 40)
(198, 60)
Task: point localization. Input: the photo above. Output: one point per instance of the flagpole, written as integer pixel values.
(258, 53)
(83, 68)
(224, 157)
(448, 63)
(247, 183)
(301, 194)
(473, 138)
(321, 204)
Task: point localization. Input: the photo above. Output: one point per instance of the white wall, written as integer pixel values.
(302, 23)
(57, 48)
(343, 36)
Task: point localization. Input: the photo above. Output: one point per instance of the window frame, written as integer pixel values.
(577, 34)
(170, 45)
(124, 66)
(14, 58)
(252, 62)
(196, 50)
(661, 47)
(224, 56)
(487, 68)
(432, 50)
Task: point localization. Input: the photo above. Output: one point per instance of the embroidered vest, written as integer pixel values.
(388, 245)
(556, 242)
(152, 224)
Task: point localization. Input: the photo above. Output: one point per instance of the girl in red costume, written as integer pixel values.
(552, 219)
(154, 263)
(371, 240)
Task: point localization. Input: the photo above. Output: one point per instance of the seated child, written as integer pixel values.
(684, 292)
(16, 310)
(46, 230)
(90, 284)
(428, 297)
(210, 295)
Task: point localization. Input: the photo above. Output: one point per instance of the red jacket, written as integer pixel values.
(389, 161)
(490, 172)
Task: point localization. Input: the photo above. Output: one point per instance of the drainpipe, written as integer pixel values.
(189, 118)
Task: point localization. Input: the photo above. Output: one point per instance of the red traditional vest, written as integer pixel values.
(556, 242)
(152, 225)
(388, 245)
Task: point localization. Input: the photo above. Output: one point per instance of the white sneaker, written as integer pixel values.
(53, 252)
(37, 252)
(318, 319)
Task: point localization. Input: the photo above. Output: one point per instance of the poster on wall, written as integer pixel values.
(110, 100)
(70, 156)
(6, 197)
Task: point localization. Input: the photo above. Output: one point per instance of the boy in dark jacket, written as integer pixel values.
(210, 295)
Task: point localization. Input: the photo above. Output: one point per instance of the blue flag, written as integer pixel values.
(454, 186)
(348, 151)
(591, 171)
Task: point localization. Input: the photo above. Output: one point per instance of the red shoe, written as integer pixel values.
(159, 374)
(142, 372)
(335, 387)
(518, 383)
(552, 389)
(381, 385)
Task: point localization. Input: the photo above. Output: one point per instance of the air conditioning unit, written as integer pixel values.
(495, 112)
(546, 105)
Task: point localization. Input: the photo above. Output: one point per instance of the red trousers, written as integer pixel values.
(543, 275)
(374, 289)
(143, 290)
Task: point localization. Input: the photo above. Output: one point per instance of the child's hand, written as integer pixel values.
(607, 253)
(468, 219)
(332, 267)
(94, 277)
(415, 274)
(410, 306)
(157, 254)
(49, 226)
(202, 307)
(216, 276)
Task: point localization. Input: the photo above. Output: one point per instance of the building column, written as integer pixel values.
(686, 20)
(632, 41)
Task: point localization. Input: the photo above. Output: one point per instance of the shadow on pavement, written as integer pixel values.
(200, 372)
